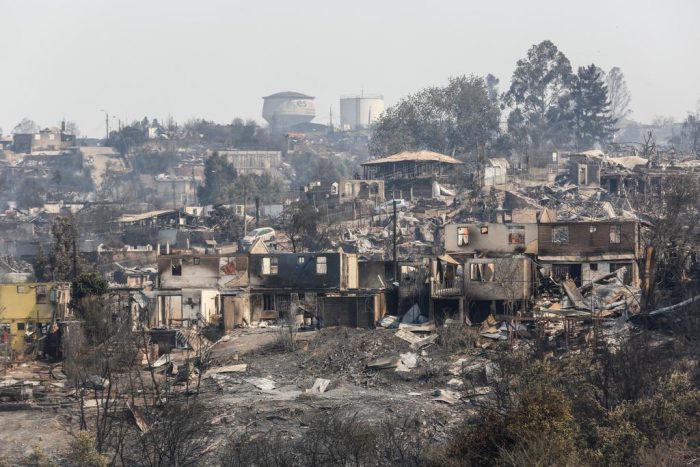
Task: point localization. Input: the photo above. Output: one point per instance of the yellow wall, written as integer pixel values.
(18, 306)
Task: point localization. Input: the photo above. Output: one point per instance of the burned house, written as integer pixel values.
(174, 191)
(242, 288)
(350, 190)
(496, 171)
(587, 250)
(44, 141)
(321, 285)
(488, 268)
(411, 175)
(195, 288)
(584, 170)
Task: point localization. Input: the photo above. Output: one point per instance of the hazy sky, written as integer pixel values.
(216, 59)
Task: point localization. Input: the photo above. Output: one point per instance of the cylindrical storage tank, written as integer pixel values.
(357, 112)
(286, 109)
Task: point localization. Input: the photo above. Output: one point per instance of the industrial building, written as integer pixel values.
(247, 162)
(284, 110)
(359, 112)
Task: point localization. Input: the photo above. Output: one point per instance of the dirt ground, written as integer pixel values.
(22, 431)
(236, 403)
(340, 355)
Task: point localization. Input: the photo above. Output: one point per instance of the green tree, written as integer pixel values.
(453, 119)
(65, 235)
(128, 137)
(42, 272)
(88, 284)
(225, 221)
(539, 98)
(219, 176)
(591, 112)
(301, 221)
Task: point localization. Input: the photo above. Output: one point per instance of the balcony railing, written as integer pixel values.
(447, 288)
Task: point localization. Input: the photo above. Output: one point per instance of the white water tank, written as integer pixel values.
(286, 109)
(357, 112)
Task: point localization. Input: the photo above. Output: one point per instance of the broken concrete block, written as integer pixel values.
(383, 363)
(455, 382)
(320, 386)
(407, 361)
(263, 384)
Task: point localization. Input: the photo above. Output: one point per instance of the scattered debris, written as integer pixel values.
(406, 362)
(263, 384)
(446, 396)
(383, 363)
(237, 368)
(139, 417)
(320, 386)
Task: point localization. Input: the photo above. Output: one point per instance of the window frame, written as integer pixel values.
(516, 232)
(462, 236)
(477, 272)
(270, 266)
(176, 267)
(556, 238)
(615, 234)
(41, 295)
(321, 265)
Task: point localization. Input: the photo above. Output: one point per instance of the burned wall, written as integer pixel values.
(587, 238)
(485, 238)
(296, 271)
(508, 279)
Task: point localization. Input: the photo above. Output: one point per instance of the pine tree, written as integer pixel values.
(592, 119)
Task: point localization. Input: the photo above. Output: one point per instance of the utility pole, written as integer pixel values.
(75, 253)
(257, 212)
(396, 261)
(245, 200)
(106, 127)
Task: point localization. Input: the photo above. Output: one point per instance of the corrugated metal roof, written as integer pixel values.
(407, 156)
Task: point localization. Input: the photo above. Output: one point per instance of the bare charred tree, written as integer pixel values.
(121, 398)
(670, 240)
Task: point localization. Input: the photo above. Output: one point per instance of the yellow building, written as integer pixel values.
(28, 310)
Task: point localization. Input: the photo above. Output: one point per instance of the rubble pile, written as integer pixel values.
(348, 353)
(415, 235)
(570, 204)
(608, 296)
